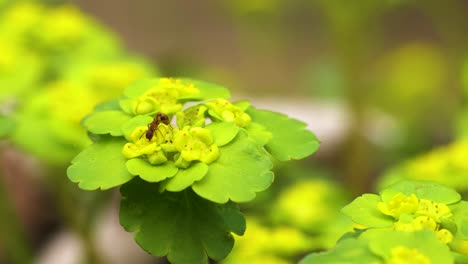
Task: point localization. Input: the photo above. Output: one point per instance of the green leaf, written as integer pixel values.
(241, 170)
(43, 143)
(185, 177)
(291, 139)
(460, 258)
(207, 90)
(363, 210)
(6, 126)
(151, 173)
(460, 215)
(108, 105)
(223, 132)
(259, 133)
(132, 124)
(422, 189)
(382, 241)
(106, 122)
(347, 251)
(181, 226)
(138, 88)
(243, 104)
(127, 106)
(101, 165)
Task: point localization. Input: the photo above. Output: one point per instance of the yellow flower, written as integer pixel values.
(164, 96)
(436, 211)
(404, 255)
(155, 149)
(226, 111)
(399, 204)
(195, 143)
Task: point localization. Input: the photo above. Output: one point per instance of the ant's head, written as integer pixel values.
(162, 118)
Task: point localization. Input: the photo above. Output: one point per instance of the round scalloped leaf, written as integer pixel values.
(243, 104)
(106, 122)
(259, 133)
(460, 258)
(207, 90)
(138, 88)
(185, 177)
(42, 142)
(460, 215)
(290, 140)
(181, 225)
(151, 173)
(223, 132)
(6, 126)
(132, 124)
(127, 106)
(363, 210)
(346, 251)
(101, 165)
(422, 189)
(241, 170)
(108, 105)
(382, 241)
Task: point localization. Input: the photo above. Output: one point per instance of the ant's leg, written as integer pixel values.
(144, 133)
(164, 135)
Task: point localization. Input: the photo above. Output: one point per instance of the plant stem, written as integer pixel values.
(351, 50)
(76, 215)
(14, 239)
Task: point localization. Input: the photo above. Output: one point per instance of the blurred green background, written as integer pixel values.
(383, 84)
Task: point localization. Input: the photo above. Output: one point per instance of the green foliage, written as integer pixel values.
(363, 210)
(289, 139)
(409, 222)
(241, 160)
(386, 246)
(106, 122)
(56, 65)
(423, 190)
(245, 168)
(311, 205)
(301, 217)
(218, 153)
(40, 42)
(101, 165)
(262, 243)
(446, 165)
(6, 126)
(347, 251)
(180, 225)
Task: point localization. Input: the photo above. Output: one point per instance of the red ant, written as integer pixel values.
(153, 126)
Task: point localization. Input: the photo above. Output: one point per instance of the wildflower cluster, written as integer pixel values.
(446, 165)
(56, 64)
(412, 214)
(184, 138)
(409, 222)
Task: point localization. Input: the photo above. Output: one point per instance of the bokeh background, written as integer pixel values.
(383, 84)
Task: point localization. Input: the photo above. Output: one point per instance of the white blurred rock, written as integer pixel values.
(114, 245)
(331, 120)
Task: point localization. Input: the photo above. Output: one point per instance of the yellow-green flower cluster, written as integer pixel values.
(190, 141)
(226, 111)
(183, 145)
(414, 214)
(403, 255)
(195, 143)
(163, 97)
(262, 244)
(400, 204)
(437, 161)
(445, 164)
(192, 116)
